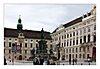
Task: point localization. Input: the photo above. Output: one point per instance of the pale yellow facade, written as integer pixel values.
(76, 50)
(25, 50)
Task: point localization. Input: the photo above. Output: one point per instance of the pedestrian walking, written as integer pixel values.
(5, 63)
(34, 61)
(73, 61)
(76, 60)
(41, 60)
(48, 61)
(70, 61)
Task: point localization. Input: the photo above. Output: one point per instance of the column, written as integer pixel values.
(65, 53)
(75, 41)
(91, 37)
(72, 42)
(69, 43)
(78, 40)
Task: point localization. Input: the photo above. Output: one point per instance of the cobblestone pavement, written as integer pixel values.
(61, 63)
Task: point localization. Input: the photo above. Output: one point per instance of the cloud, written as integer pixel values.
(47, 16)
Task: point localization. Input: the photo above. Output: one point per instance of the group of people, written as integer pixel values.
(74, 60)
(49, 61)
(39, 60)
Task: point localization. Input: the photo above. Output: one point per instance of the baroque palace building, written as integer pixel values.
(30, 41)
(77, 38)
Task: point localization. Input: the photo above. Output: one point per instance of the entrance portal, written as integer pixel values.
(20, 57)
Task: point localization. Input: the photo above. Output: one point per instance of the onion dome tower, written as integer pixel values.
(19, 25)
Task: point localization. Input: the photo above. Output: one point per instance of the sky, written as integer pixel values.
(46, 16)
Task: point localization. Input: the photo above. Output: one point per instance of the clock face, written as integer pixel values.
(18, 47)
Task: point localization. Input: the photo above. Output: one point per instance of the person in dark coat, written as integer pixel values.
(70, 61)
(73, 61)
(48, 60)
(5, 63)
(41, 60)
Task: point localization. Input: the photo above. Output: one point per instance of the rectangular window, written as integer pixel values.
(25, 44)
(9, 51)
(73, 33)
(88, 38)
(84, 30)
(88, 29)
(66, 56)
(87, 55)
(84, 39)
(76, 49)
(77, 33)
(72, 55)
(70, 35)
(62, 37)
(25, 51)
(69, 50)
(9, 44)
(20, 44)
(31, 45)
(80, 49)
(80, 56)
(77, 42)
(80, 41)
(94, 20)
(70, 43)
(88, 22)
(87, 48)
(67, 43)
(73, 50)
(67, 35)
(66, 50)
(80, 32)
(83, 55)
(73, 42)
(94, 27)
(4, 44)
(76, 55)
(64, 44)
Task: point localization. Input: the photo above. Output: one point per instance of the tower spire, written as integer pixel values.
(19, 20)
(19, 25)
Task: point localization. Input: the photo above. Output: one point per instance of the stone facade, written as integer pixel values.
(77, 37)
(28, 43)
